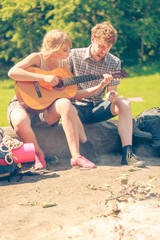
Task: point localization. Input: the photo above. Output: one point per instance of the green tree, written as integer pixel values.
(77, 17)
(23, 24)
(140, 28)
(21, 27)
(137, 22)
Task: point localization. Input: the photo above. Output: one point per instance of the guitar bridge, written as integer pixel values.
(37, 89)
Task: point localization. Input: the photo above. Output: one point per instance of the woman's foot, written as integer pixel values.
(39, 161)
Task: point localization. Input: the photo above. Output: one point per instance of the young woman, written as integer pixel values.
(53, 54)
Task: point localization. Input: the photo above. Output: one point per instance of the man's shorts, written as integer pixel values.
(94, 113)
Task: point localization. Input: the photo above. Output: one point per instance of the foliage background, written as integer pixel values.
(23, 24)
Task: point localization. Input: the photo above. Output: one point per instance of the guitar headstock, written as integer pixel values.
(118, 74)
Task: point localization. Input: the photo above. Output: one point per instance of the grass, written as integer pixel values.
(146, 87)
(6, 94)
(142, 81)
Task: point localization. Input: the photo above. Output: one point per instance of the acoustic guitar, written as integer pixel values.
(36, 96)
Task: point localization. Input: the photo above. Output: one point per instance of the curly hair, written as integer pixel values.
(53, 40)
(105, 31)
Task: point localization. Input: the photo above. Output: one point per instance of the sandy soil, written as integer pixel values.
(109, 202)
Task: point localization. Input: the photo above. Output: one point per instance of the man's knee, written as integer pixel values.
(124, 103)
(121, 105)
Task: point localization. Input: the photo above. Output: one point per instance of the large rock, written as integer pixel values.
(104, 137)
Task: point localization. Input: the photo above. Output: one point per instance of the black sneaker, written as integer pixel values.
(133, 160)
(87, 150)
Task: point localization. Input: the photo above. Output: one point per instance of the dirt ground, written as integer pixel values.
(110, 202)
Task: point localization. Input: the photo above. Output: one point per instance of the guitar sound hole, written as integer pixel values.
(58, 88)
(60, 84)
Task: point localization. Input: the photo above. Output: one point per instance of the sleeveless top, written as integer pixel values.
(41, 67)
(41, 62)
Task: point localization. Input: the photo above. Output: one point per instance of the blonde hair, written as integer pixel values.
(105, 31)
(53, 40)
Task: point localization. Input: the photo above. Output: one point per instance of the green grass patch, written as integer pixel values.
(141, 82)
(145, 70)
(6, 95)
(147, 87)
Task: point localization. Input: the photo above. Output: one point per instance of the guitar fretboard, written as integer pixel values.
(117, 74)
(80, 79)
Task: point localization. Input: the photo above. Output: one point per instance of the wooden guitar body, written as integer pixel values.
(39, 95)
(27, 95)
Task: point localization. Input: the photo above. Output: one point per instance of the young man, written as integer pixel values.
(89, 101)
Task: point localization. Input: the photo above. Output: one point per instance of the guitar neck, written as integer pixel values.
(117, 74)
(80, 79)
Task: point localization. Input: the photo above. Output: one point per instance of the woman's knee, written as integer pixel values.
(20, 120)
(64, 106)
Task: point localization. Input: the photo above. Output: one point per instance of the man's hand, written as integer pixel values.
(107, 79)
(112, 96)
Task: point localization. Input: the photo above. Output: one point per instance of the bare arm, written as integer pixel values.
(89, 91)
(19, 73)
